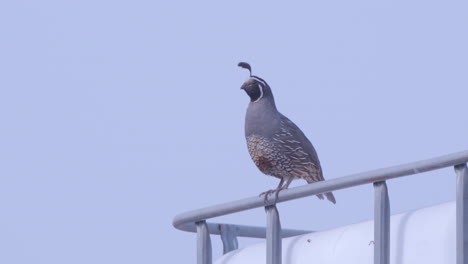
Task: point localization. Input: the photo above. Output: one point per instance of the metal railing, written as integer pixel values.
(195, 221)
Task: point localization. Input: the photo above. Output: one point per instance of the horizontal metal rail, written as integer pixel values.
(320, 187)
(195, 221)
(242, 230)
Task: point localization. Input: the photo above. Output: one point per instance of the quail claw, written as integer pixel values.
(275, 191)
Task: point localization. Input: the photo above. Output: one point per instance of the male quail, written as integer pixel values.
(277, 146)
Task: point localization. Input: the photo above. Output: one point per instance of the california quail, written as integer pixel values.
(277, 146)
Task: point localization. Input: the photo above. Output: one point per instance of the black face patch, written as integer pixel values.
(255, 91)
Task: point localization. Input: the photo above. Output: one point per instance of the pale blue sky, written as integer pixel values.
(117, 115)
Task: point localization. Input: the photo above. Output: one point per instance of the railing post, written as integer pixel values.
(462, 213)
(381, 224)
(273, 235)
(228, 237)
(203, 243)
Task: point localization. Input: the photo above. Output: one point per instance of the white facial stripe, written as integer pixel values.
(258, 80)
(261, 92)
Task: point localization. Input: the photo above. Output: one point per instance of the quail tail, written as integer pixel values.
(329, 196)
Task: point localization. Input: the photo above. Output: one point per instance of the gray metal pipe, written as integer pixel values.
(273, 235)
(229, 237)
(381, 224)
(462, 214)
(204, 255)
(243, 230)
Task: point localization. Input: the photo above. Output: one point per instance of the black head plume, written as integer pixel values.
(245, 65)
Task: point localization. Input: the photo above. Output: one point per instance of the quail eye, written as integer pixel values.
(255, 93)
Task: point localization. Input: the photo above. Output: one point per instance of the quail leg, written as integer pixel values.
(284, 187)
(272, 191)
(278, 189)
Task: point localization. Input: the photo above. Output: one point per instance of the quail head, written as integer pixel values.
(276, 145)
